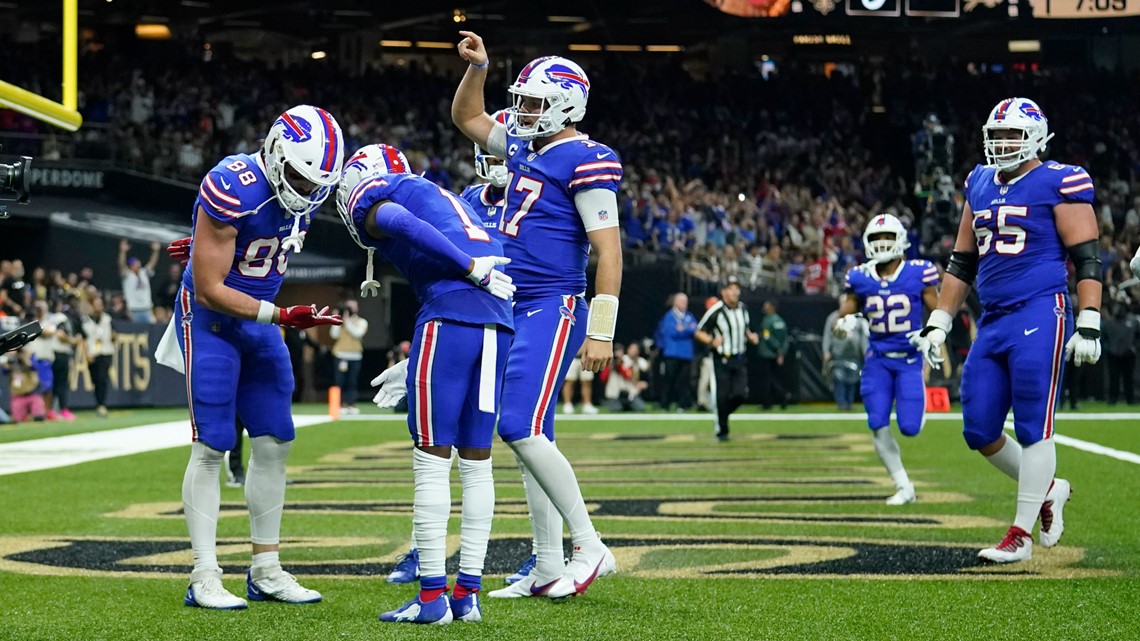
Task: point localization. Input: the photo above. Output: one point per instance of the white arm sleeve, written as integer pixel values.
(497, 141)
(598, 208)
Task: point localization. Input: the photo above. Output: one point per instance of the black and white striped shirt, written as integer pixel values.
(731, 323)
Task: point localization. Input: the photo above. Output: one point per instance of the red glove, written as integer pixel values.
(306, 316)
(179, 250)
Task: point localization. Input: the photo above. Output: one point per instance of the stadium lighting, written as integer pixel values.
(433, 44)
(151, 31)
(395, 43)
(318, 55)
(565, 19)
(458, 16)
(1024, 46)
(585, 47)
(623, 48)
(664, 48)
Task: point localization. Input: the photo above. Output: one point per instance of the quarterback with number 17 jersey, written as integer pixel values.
(1021, 256)
(542, 231)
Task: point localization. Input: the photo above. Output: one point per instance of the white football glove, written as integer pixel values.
(848, 324)
(1135, 263)
(1084, 346)
(930, 339)
(393, 385)
(484, 274)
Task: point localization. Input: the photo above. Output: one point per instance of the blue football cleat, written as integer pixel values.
(407, 568)
(437, 612)
(467, 609)
(523, 572)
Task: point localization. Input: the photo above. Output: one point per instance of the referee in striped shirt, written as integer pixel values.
(725, 328)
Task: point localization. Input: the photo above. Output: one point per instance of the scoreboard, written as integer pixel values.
(1085, 8)
(1041, 9)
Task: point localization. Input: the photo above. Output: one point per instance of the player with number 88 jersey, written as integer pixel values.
(891, 293)
(1023, 218)
(561, 204)
(252, 211)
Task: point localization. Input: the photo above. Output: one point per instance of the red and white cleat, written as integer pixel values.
(1052, 513)
(1016, 546)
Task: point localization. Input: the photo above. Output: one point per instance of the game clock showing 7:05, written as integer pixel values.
(1085, 8)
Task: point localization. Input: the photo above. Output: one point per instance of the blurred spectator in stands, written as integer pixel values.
(625, 379)
(136, 281)
(585, 380)
(348, 350)
(674, 339)
(773, 351)
(13, 289)
(843, 360)
(118, 308)
(100, 349)
(62, 330)
(43, 354)
(26, 401)
(166, 292)
(1121, 332)
(295, 341)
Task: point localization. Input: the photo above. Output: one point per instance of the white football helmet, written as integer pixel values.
(884, 250)
(495, 174)
(303, 153)
(1015, 114)
(368, 161)
(562, 87)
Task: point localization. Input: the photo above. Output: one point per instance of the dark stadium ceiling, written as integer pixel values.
(590, 20)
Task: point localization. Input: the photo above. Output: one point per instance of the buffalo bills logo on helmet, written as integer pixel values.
(567, 78)
(882, 220)
(524, 75)
(357, 161)
(566, 313)
(1032, 111)
(295, 128)
(1002, 109)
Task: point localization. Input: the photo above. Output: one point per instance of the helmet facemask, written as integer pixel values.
(548, 120)
(289, 182)
(490, 168)
(1010, 152)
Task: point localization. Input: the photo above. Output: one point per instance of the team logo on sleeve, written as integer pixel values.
(297, 129)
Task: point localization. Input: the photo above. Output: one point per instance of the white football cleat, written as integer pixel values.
(530, 586)
(903, 496)
(1052, 513)
(589, 408)
(206, 591)
(1016, 546)
(567, 408)
(278, 586)
(588, 563)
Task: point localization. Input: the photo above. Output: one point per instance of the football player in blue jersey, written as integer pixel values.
(890, 293)
(561, 205)
(252, 211)
(489, 197)
(1022, 219)
(455, 368)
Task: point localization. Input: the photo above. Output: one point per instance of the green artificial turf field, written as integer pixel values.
(780, 533)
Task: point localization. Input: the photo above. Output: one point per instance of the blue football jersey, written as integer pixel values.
(236, 192)
(541, 230)
(441, 289)
(893, 305)
(1021, 255)
(490, 209)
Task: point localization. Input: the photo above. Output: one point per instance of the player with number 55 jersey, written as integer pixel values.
(1023, 219)
(561, 205)
(890, 293)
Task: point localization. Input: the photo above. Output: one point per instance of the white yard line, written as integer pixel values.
(61, 451)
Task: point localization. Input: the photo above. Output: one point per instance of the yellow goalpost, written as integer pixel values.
(64, 115)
